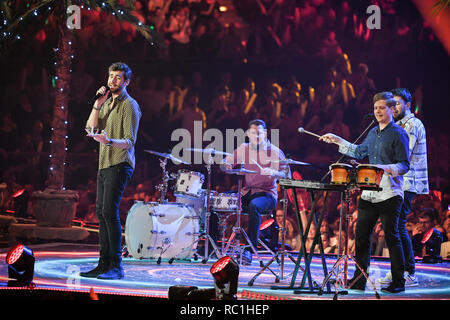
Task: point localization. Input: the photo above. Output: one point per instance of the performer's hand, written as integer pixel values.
(226, 166)
(267, 172)
(104, 92)
(331, 138)
(99, 137)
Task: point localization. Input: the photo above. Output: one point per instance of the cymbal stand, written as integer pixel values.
(208, 238)
(283, 252)
(165, 176)
(340, 272)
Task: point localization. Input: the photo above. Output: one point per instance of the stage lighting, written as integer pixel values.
(21, 198)
(269, 233)
(432, 241)
(20, 260)
(225, 272)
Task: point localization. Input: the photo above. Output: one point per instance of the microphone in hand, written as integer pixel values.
(99, 94)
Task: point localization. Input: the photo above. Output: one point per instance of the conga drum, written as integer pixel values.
(368, 175)
(340, 173)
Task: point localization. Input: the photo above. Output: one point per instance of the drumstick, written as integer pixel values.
(301, 130)
(254, 161)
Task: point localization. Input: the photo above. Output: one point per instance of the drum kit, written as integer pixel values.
(172, 230)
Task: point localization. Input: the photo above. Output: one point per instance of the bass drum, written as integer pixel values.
(166, 231)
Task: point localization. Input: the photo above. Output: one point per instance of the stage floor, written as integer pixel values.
(58, 264)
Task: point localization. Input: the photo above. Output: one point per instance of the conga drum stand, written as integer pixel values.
(340, 267)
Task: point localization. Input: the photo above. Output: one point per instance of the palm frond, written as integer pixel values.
(439, 6)
(125, 13)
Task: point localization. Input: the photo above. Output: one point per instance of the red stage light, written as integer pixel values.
(18, 193)
(14, 254)
(266, 224)
(427, 235)
(220, 264)
(20, 260)
(225, 272)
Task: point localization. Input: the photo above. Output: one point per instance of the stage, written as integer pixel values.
(58, 264)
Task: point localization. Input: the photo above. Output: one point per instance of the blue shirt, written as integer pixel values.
(389, 146)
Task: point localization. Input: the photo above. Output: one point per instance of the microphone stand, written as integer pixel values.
(342, 156)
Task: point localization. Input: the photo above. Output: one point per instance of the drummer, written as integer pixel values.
(259, 193)
(386, 146)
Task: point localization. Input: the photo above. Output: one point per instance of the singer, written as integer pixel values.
(386, 146)
(114, 123)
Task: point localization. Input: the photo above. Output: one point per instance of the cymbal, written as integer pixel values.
(209, 150)
(167, 156)
(290, 161)
(239, 171)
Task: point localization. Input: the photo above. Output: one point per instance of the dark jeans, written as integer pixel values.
(368, 213)
(111, 183)
(410, 263)
(254, 205)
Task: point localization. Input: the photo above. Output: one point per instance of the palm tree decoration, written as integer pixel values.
(23, 20)
(16, 17)
(439, 6)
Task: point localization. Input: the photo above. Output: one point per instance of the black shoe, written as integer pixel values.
(103, 266)
(394, 287)
(360, 284)
(114, 273)
(246, 258)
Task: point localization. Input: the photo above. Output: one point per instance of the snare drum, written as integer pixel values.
(340, 173)
(368, 175)
(225, 202)
(189, 184)
(155, 230)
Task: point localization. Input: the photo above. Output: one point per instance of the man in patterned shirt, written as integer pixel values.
(416, 179)
(114, 123)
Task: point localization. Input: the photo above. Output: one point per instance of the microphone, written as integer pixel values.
(369, 115)
(98, 95)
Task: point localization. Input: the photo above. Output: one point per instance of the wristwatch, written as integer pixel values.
(109, 144)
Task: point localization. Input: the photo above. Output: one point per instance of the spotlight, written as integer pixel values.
(21, 198)
(432, 241)
(225, 272)
(20, 260)
(269, 233)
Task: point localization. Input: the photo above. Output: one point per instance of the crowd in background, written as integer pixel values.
(335, 99)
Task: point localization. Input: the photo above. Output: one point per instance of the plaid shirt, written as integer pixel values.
(120, 121)
(416, 179)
